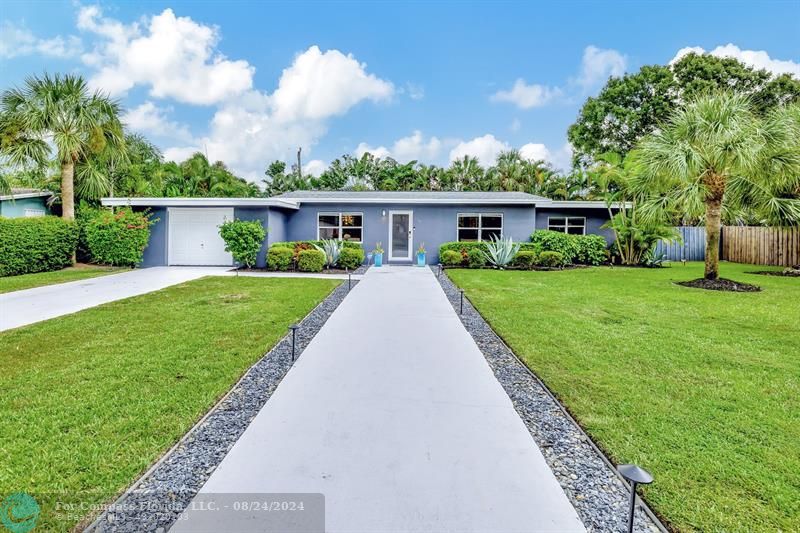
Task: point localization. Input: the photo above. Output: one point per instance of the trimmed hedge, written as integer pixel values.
(310, 261)
(592, 249)
(350, 258)
(280, 258)
(525, 259)
(463, 248)
(450, 258)
(293, 244)
(551, 259)
(243, 239)
(118, 238)
(476, 258)
(556, 241)
(38, 244)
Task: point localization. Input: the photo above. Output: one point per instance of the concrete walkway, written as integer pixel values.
(394, 415)
(20, 308)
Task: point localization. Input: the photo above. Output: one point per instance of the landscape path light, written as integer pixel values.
(635, 476)
(294, 328)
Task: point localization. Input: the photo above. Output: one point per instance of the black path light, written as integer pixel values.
(461, 291)
(294, 328)
(438, 274)
(349, 279)
(635, 476)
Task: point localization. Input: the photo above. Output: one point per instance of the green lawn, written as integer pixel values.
(40, 279)
(702, 388)
(90, 400)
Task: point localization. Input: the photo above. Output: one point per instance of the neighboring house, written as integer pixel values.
(186, 232)
(24, 203)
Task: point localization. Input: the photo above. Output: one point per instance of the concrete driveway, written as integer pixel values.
(20, 308)
(393, 414)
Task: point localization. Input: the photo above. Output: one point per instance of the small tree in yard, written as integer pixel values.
(243, 239)
(716, 154)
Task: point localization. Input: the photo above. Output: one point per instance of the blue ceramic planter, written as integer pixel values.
(378, 260)
(421, 260)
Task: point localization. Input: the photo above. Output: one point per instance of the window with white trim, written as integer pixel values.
(340, 226)
(571, 225)
(479, 226)
(34, 212)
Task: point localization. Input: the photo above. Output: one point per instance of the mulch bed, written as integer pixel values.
(784, 273)
(720, 284)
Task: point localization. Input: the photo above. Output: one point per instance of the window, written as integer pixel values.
(571, 225)
(341, 226)
(479, 226)
(34, 212)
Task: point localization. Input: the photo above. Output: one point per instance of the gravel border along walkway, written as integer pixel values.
(156, 500)
(588, 478)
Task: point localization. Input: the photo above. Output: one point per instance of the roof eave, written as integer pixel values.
(200, 202)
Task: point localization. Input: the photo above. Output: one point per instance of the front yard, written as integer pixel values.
(702, 388)
(40, 279)
(90, 400)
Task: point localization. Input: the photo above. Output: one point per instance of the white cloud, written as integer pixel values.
(413, 147)
(180, 153)
(414, 91)
(598, 64)
(758, 59)
(320, 85)
(315, 167)
(19, 41)
(175, 57)
(149, 118)
(535, 152)
(485, 148)
(527, 96)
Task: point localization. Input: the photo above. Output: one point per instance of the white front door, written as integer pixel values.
(194, 236)
(401, 235)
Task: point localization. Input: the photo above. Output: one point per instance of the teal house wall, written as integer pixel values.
(16, 208)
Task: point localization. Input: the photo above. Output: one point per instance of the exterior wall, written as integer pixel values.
(595, 217)
(16, 208)
(156, 252)
(256, 213)
(433, 224)
(277, 226)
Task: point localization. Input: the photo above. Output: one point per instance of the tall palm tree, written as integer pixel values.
(58, 111)
(715, 154)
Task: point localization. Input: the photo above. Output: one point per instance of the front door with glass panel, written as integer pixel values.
(401, 229)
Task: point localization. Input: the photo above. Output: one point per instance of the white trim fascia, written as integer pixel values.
(200, 202)
(417, 201)
(581, 204)
(25, 195)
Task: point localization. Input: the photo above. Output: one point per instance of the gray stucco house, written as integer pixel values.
(24, 203)
(186, 231)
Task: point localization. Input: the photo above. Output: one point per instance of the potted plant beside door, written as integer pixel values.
(377, 253)
(421, 255)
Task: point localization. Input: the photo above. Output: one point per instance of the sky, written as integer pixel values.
(249, 82)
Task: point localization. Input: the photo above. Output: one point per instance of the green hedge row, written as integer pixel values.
(283, 255)
(39, 244)
(117, 238)
(293, 244)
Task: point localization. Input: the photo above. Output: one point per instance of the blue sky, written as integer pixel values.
(248, 82)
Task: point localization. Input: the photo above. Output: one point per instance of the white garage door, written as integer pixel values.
(194, 236)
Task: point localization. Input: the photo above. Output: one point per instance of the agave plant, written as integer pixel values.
(501, 251)
(331, 248)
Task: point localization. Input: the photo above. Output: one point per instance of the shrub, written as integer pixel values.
(280, 258)
(556, 241)
(331, 248)
(525, 259)
(463, 248)
(310, 261)
(551, 259)
(310, 244)
(502, 251)
(476, 258)
(351, 258)
(39, 244)
(591, 249)
(118, 238)
(450, 258)
(243, 239)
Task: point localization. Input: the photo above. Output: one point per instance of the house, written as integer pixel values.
(186, 232)
(24, 203)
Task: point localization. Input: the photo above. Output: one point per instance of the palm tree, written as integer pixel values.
(716, 154)
(58, 111)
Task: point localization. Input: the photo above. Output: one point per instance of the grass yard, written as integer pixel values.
(90, 400)
(40, 279)
(702, 388)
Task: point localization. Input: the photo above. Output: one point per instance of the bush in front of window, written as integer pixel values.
(551, 259)
(292, 244)
(37, 244)
(463, 248)
(592, 249)
(525, 259)
(310, 261)
(556, 241)
(280, 258)
(476, 258)
(351, 258)
(451, 258)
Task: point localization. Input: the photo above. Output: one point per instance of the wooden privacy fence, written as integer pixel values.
(761, 245)
(756, 245)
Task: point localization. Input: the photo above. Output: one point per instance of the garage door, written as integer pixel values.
(194, 236)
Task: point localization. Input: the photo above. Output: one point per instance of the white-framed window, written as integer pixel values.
(34, 213)
(340, 226)
(571, 225)
(479, 226)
